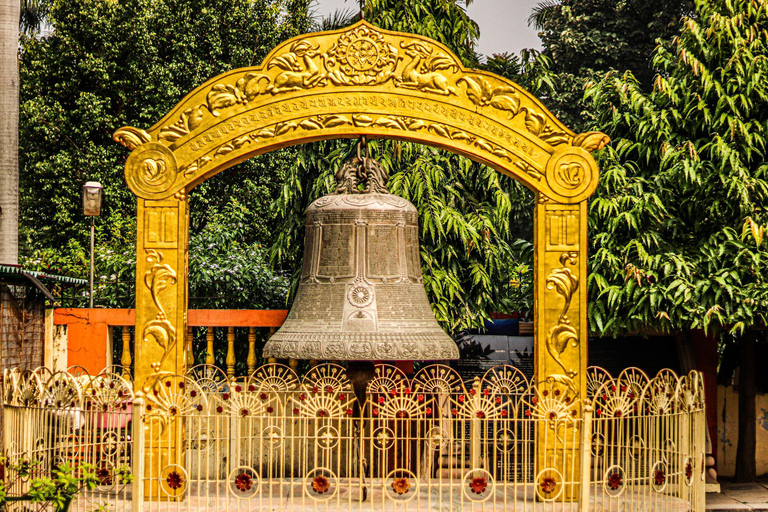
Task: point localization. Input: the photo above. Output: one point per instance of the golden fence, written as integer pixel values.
(277, 442)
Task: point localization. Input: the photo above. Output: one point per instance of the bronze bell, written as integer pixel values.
(361, 295)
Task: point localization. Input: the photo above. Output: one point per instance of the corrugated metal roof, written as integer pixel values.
(12, 270)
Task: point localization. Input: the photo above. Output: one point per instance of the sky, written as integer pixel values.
(503, 23)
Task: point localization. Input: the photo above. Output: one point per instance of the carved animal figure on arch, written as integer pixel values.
(423, 59)
(296, 76)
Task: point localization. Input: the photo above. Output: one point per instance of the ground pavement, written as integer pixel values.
(739, 497)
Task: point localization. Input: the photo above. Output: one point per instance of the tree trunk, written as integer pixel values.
(746, 465)
(9, 131)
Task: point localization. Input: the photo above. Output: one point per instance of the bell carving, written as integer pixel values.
(361, 294)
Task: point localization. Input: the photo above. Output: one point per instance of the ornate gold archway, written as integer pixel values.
(362, 81)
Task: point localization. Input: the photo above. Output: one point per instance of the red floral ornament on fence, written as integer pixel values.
(174, 480)
(548, 485)
(401, 485)
(243, 482)
(320, 484)
(478, 485)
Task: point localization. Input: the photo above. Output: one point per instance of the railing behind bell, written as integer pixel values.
(104, 338)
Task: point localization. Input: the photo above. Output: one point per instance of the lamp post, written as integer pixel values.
(93, 193)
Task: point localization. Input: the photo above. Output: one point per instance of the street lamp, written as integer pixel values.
(93, 193)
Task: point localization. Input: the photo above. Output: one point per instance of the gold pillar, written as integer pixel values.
(560, 299)
(161, 287)
(161, 318)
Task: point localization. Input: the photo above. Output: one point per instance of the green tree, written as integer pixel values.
(679, 219)
(110, 64)
(587, 38)
(446, 21)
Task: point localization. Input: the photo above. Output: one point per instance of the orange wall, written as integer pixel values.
(88, 329)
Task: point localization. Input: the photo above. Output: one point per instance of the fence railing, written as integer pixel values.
(234, 349)
(274, 441)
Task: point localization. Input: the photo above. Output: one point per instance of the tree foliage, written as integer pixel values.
(445, 21)
(587, 38)
(679, 220)
(110, 64)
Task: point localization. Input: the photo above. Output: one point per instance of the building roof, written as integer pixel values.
(18, 272)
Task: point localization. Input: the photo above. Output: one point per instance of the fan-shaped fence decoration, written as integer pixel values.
(325, 398)
(327, 378)
(388, 378)
(480, 403)
(209, 377)
(633, 381)
(174, 396)
(438, 379)
(62, 391)
(596, 376)
(11, 385)
(397, 400)
(273, 377)
(660, 395)
(30, 390)
(505, 380)
(691, 391)
(551, 402)
(244, 404)
(615, 399)
(110, 392)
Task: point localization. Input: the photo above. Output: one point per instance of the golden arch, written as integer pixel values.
(351, 82)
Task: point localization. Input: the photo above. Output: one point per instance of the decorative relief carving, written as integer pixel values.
(161, 227)
(361, 57)
(529, 169)
(591, 141)
(562, 228)
(189, 120)
(225, 95)
(570, 172)
(482, 93)
(156, 279)
(536, 123)
(151, 168)
(361, 120)
(563, 333)
(196, 165)
(131, 137)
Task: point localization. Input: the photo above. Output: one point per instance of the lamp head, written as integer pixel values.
(93, 193)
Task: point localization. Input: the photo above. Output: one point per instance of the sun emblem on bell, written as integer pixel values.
(363, 57)
(360, 296)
